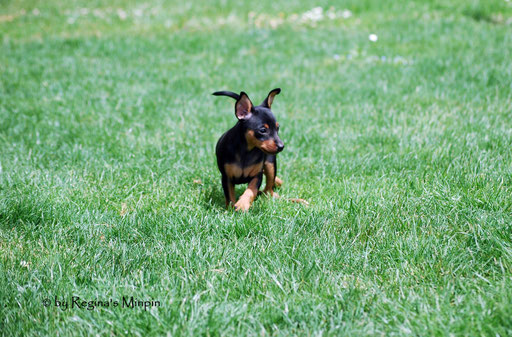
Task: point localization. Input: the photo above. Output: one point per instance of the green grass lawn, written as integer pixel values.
(402, 146)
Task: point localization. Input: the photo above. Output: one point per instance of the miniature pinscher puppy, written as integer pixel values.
(248, 150)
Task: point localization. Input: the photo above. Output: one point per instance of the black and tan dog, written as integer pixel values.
(248, 150)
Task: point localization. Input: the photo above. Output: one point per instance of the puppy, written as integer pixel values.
(248, 150)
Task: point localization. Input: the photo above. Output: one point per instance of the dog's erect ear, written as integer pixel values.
(267, 103)
(243, 107)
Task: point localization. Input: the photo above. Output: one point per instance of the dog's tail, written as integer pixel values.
(227, 93)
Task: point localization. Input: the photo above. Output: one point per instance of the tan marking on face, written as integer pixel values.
(252, 141)
(266, 125)
(269, 146)
(233, 170)
(277, 124)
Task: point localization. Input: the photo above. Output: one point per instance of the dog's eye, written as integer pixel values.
(263, 130)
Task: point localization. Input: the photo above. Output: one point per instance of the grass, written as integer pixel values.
(401, 146)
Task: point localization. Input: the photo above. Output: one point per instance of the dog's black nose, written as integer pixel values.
(280, 147)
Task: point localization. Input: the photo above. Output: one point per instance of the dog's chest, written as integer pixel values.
(237, 171)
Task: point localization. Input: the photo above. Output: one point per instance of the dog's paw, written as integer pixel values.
(278, 182)
(242, 205)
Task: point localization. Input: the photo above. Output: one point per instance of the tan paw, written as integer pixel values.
(278, 182)
(242, 205)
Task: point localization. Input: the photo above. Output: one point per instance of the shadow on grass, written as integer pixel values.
(212, 197)
(26, 211)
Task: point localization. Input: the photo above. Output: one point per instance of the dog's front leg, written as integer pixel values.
(270, 171)
(246, 199)
(229, 190)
